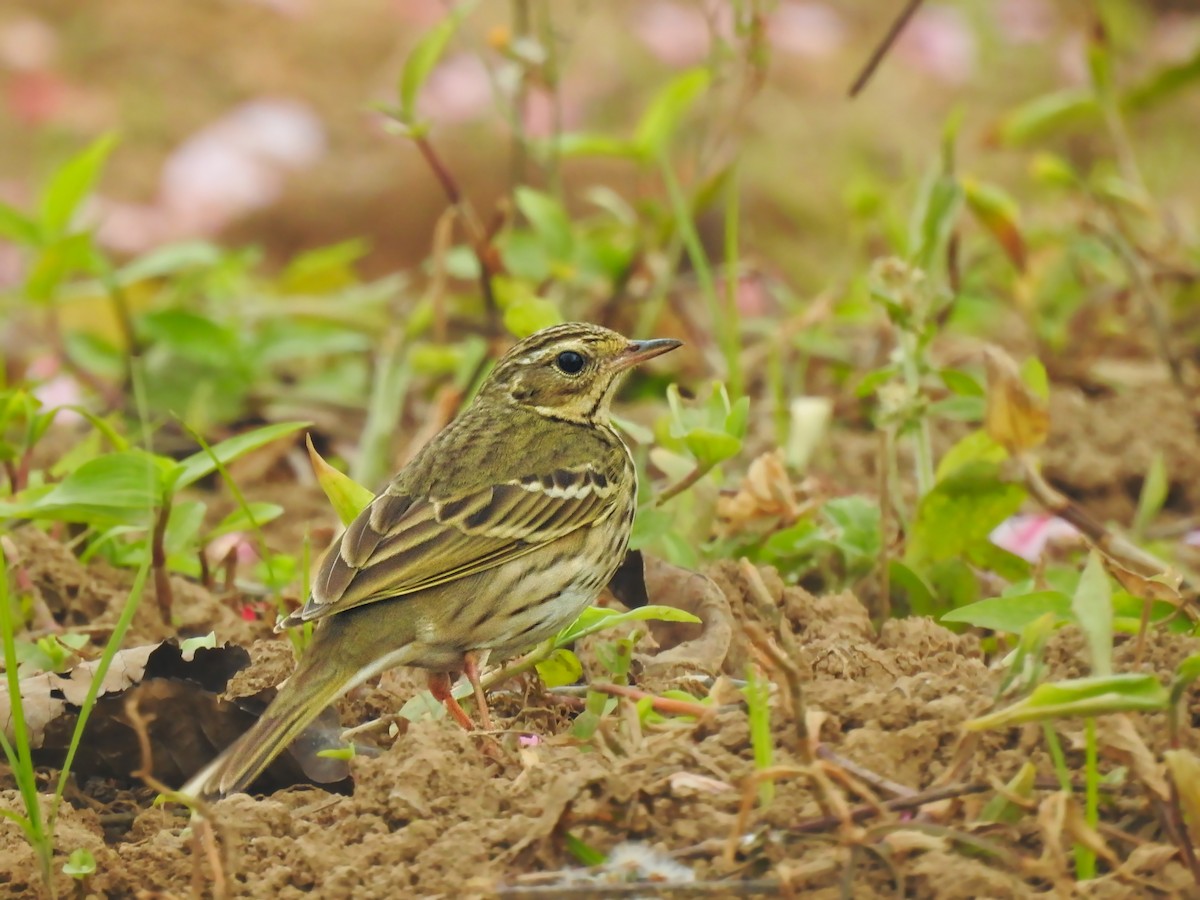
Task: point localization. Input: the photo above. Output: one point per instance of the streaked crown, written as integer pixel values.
(569, 371)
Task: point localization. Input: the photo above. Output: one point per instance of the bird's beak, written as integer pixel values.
(640, 351)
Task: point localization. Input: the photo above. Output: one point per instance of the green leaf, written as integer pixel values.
(1046, 114)
(585, 854)
(192, 336)
(119, 488)
(1163, 83)
(576, 144)
(1013, 614)
(997, 211)
(80, 864)
(549, 220)
(170, 260)
(962, 383)
(935, 215)
(711, 447)
(425, 56)
(202, 464)
(959, 514)
(661, 119)
(72, 182)
(1154, 494)
(1093, 608)
(1093, 696)
(189, 646)
(599, 618)
(347, 496)
(529, 314)
(253, 515)
(1000, 809)
(15, 226)
(324, 269)
(56, 261)
(183, 526)
(921, 601)
(1033, 374)
(560, 668)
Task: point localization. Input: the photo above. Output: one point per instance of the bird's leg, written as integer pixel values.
(473, 661)
(439, 686)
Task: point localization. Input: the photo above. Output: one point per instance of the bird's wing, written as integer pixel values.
(398, 546)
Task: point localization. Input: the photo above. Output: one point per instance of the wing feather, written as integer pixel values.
(400, 545)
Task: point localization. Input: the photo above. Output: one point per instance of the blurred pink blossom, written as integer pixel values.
(1028, 535)
(1072, 58)
(55, 388)
(939, 41)
(811, 30)
(237, 543)
(539, 118)
(34, 98)
(680, 35)
(231, 167)
(1024, 21)
(457, 91)
(293, 9)
(27, 45)
(425, 13)
(528, 740)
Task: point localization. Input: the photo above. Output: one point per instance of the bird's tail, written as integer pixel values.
(300, 700)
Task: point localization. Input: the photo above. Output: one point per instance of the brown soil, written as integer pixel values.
(445, 813)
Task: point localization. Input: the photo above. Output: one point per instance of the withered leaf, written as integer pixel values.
(1015, 418)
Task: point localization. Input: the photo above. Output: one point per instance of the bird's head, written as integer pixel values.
(569, 371)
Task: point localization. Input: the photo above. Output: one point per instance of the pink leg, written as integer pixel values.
(471, 664)
(439, 686)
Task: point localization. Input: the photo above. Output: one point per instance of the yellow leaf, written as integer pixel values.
(1015, 417)
(348, 497)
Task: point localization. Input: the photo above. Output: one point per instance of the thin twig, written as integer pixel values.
(757, 888)
(1108, 542)
(881, 50)
(480, 243)
(208, 842)
(162, 578)
(661, 704)
(783, 657)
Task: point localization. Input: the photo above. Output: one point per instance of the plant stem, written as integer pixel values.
(19, 754)
(922, 441)
(726, 331)
(158, 555)
(1085, 858)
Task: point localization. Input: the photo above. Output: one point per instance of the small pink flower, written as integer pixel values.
(939, 41)
(459, 90)
(679, 35)
(528, 740)
(1027, 536)
(811, 30)
(237, 543)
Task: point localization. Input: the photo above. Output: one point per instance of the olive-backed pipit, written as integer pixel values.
(494, 537)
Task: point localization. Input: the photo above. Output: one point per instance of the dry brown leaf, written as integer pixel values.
(1160, 587)
(1062, 824)
(45, 697)
(1184, 769)
(688, 783)
(908, 840)
(764, 499)
(1120, 740)
(684, 646)
(1148, 858)
(1015, 417)
(179, 694)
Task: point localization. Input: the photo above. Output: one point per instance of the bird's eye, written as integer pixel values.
(570, 362)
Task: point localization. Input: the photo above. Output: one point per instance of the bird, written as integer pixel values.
(497, 534)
